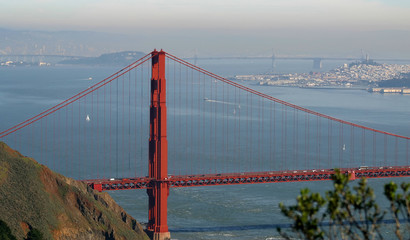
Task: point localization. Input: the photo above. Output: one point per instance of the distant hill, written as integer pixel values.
(402, 81)
(119, 58)
(33, 196)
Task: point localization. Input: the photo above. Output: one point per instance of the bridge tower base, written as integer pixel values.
(158, 152)
(162, 236)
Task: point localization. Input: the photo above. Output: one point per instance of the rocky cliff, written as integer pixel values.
(32, 196)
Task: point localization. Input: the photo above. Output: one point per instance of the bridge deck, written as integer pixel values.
(247, 178)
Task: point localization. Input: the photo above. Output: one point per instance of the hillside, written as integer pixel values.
(402, 81)
(32, 196)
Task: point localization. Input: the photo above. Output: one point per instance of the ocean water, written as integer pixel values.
(222, 212)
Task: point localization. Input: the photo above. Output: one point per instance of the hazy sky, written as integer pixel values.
(230, 27)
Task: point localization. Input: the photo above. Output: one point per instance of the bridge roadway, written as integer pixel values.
(247, 178)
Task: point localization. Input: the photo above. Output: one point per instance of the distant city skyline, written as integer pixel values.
(229, 28)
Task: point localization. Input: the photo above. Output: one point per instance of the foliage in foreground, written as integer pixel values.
(34, 234)
(5, 232)
(347, 213)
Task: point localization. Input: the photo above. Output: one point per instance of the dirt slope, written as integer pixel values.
(32, 196)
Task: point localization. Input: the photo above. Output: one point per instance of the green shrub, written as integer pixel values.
(5, 232)
(34, 234)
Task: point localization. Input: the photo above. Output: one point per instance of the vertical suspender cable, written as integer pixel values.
(135, 108)
(319, 126)
(191, 82)
(217, 168)
(174, 122)
(259, 136)
(374, 148)
(329, 143)
(123, 145)
(245, 125)
(294, 148)
(72, 139)
(396, 151)
(54, 150)
(45, 141)
(85, 137)
(141, 120)
(286, 138)
(283, 133)
(110, 156)
(181, 163)
(117, 111)
(275, 165)
(129, 123)
(79, 139)
(67, 135)
(198, 128)
(234, 147)
(239, 141)
(223, 130)
(352, 146)
(364, 147)
(385, 150)
(251, 152)
(98, 134)
(41, 142)
(263, 140)
(104, 134)
(341, 144)
(270, 137)
(407, 152)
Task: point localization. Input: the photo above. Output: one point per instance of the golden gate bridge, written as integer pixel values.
(195, 129)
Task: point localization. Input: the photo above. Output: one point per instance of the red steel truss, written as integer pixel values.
(247, 178)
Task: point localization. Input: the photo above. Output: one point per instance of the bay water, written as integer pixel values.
(219, 212)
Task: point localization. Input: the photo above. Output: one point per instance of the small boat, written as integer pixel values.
(344, 147)
(87, 118)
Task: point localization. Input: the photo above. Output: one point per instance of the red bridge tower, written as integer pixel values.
(158, 151)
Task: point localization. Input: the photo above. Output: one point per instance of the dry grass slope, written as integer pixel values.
(31, 195)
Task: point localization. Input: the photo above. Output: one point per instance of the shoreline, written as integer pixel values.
(363, 88)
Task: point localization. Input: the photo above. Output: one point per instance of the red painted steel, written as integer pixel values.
(158, 151)
(249, 178)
